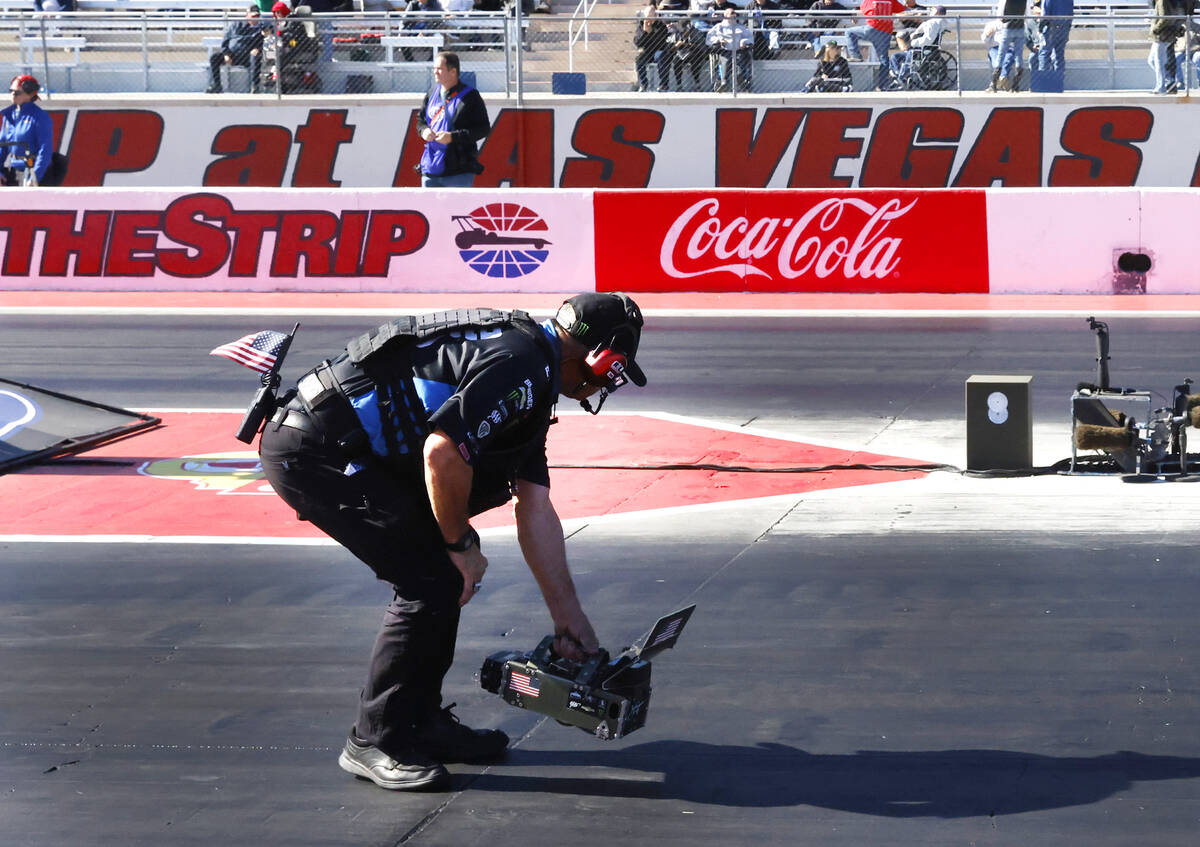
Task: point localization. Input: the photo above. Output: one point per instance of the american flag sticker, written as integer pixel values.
(523, 683)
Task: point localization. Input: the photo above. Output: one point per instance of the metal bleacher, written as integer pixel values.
(164, 46)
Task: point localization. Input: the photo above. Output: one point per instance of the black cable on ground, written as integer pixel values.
(1083, 465)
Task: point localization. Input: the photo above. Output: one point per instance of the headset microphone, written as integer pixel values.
(610, 325)
(587, 407)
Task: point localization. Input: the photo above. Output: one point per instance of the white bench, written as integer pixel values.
(468, 31)
(433, 41)
(31, 45)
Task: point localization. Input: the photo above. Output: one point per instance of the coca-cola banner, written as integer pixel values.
(851, 241)
(296, 240)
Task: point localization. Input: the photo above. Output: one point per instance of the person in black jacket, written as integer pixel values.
(833, 72)
(242, 46)
(393, 445)
(689, 54)
(650, 39)
(452, 122)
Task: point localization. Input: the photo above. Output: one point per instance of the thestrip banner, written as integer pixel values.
(296, 240)
(808, 240)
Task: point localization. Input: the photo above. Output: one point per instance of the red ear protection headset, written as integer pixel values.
(605, 368)
(606, 365)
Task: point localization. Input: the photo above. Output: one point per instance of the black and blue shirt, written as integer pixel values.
(489, 390)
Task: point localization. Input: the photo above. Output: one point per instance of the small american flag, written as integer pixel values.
(522, 683)
(257, 351)
(671, 629)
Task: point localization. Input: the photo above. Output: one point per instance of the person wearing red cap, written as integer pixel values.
(296, 50)
(27, 129)
(392, 446)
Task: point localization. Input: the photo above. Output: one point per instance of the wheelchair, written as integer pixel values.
(928, 69)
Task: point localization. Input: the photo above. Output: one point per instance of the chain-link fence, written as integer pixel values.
(596, 49)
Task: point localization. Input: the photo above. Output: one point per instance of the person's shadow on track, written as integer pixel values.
(940, 783)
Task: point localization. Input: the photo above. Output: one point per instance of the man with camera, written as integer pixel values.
(391, 448)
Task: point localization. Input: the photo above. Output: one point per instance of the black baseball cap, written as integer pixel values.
(611, 321)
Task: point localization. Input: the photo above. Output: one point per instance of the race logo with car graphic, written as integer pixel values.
(224, 473)
(502, 240)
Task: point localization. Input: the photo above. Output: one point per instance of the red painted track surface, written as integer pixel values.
(190, 475)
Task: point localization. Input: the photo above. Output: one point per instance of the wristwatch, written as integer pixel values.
(469, 539)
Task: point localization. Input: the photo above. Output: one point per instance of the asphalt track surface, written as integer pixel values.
(939, 660)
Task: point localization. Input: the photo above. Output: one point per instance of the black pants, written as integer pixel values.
(662, 59)
(698, 66)
(383, 517)
(243, 59)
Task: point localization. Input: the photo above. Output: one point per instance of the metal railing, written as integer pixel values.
(169, 51)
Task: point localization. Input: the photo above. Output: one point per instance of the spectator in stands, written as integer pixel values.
(1006, 75)
(878, 32)
(426, 9)
(991, 38)
(689, 52)
(650, 40)
(822, 21)
(54, 5)
(296, 49)
(928, 34)
(452, 121)
(1033, 41)
(420, 14)
(764, 27)
(423, 17)
(1167, 27)
(833, 71)
(731, 43)
(27, 131)
(241, 46)
(1188, 54)
(1055, 27)
(907, 21)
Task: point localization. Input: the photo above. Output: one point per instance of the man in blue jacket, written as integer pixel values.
(243, 46)
(452, 122)
(29, 127)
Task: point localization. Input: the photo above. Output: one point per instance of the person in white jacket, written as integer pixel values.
(731, 43)
(928, 34)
